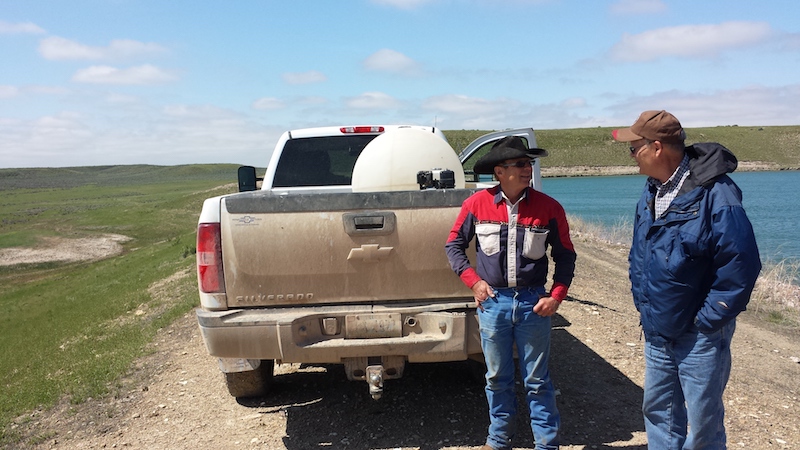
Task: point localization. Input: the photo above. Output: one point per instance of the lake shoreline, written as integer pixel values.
(594, 171)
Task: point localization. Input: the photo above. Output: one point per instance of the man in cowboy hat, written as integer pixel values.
(693, 264)
(514, 225)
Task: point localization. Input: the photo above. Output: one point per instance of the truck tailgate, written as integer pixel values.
(339, 247)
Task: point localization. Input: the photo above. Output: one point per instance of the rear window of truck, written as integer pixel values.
(319, 161)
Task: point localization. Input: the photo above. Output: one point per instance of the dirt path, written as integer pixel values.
(64, 249)
(175, 398)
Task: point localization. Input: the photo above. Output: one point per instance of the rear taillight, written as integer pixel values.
(364, 129)
(209, 258)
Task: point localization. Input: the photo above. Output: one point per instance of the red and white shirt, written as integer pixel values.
(512, 240)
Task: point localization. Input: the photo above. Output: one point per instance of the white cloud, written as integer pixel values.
(402, 4)
(7, 91)
(386, 60)
(202, 112)
(42, 138)
(58, 48)
(746, 106)
(116, 98)
(268, 103)
(461, 111)
(139, 75)
(20, 28)
(372, 100)
(65, 121)
(128, 48)
(312, 76)
(178, 134)
(750, 105)
(574, 102)
(691, 41)
(790, 41)
(464, 105)
(636, 7)
(414, 4)
(312, 100)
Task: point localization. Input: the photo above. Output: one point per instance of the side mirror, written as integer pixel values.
(248, 178)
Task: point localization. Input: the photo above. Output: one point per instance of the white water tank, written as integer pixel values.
(392, 161)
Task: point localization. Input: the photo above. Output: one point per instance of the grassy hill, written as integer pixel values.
(72, 328)
(109, 176)
(595, 147)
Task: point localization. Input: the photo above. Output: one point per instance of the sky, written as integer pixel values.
(107, 82)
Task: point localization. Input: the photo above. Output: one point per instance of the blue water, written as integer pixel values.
(770, 199)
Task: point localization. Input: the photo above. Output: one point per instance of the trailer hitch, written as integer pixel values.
(375, 381)
(375, 370)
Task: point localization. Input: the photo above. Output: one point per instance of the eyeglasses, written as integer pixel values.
(635, 149)
(518, 164)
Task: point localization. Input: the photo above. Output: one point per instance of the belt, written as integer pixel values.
(520, 288)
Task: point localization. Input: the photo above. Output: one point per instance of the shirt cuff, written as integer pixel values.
(559, 291)
(469, 277)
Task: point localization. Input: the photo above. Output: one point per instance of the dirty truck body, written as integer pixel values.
(319, 267)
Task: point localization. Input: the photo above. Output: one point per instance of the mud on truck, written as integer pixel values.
(338, 257)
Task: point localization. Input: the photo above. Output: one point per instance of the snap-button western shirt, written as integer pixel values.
(512, 240)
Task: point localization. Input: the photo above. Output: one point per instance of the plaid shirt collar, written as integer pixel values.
(666, 193)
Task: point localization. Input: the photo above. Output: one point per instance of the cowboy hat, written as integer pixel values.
(510, 147)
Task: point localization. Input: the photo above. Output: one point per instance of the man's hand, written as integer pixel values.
(481, 291)
(547, 306)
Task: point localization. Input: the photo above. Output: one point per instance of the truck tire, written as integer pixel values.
(253, 383)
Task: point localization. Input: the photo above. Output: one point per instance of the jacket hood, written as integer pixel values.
(709, 160)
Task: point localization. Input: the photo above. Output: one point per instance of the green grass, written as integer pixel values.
(21, 238)
(74, 328)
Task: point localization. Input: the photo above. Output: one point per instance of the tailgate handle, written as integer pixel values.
(369, 223)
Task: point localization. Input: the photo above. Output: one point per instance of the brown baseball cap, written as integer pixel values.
(652, 125)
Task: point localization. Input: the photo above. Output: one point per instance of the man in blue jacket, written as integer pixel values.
(693, 265)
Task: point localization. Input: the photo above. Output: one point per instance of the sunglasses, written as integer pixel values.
(518, 164)
(634, 149)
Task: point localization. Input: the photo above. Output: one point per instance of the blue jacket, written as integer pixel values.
(695, 266)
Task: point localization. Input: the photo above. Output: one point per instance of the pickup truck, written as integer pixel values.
(339, 257)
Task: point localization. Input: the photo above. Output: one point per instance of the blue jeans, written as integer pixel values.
(683, 386)
(508, 318)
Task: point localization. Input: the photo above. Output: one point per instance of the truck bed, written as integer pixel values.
(339, 248)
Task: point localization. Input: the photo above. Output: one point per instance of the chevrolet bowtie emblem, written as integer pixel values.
(370, 252)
